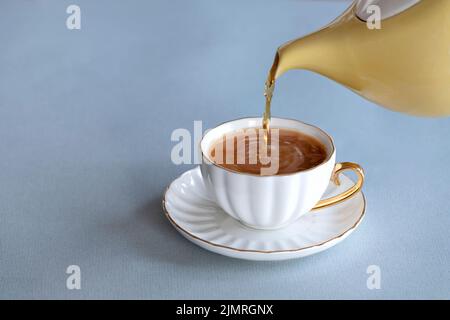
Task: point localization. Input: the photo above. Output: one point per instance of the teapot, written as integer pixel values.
(404, 65)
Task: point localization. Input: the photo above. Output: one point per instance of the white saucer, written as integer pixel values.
(189, 207)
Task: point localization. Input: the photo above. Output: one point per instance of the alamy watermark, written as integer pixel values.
(73, 21)
(374, 19)
(240, 146)
(73, 281)
(374, 280)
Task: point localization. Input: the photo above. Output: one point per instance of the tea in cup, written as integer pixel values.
(267, 179)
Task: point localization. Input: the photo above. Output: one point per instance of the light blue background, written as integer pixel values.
(85, 124)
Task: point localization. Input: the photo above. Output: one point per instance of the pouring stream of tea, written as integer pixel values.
(268, 93)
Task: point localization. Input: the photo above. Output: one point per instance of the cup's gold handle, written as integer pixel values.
(340, 167)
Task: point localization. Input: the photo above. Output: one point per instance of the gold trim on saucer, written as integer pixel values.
(172, 221)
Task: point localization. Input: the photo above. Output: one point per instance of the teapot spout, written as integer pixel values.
(321, 52)
(301, 53)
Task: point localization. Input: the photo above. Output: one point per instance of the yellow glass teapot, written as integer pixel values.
(404, 65)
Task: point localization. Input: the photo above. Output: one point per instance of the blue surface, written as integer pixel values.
(85, 124)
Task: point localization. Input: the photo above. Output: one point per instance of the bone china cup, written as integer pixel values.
(271, 202)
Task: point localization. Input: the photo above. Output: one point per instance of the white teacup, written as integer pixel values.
(271, 202)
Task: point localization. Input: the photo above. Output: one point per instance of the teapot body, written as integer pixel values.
(403, 66)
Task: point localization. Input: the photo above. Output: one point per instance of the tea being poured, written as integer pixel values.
(268, 93)
(403, 66)
(288, 152)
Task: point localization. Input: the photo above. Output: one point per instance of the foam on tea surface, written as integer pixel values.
(286, 150)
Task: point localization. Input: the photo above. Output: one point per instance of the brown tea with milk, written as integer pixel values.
(281, 151)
